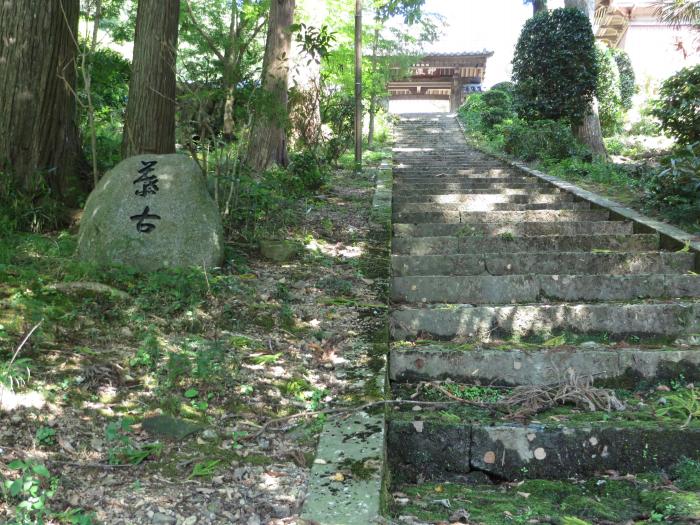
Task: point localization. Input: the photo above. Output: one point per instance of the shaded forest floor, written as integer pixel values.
(221, 352)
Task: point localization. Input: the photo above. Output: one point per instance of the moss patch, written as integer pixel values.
(604, 500)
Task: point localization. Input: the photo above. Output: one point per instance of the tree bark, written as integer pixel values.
(39, 143)
(230, 70)
(149, 126)
(589, 131)
(373, 97)
(538, 6)
(268, 137)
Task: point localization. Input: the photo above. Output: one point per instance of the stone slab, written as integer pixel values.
(504, 244)
(335, 496)
(541, 366)
(543, 263)
(523, 229)
(529, 288)
(433, 451)
(481, 323)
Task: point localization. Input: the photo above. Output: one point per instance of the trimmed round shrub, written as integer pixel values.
(507, 87)
(610, 107)
(628, 80)
(678, 106)
(541, 140)
(497, 106)
(472, 110)
(555, 67)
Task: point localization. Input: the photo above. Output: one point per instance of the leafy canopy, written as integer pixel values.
(555, 66)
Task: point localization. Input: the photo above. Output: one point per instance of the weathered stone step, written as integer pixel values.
(441, 192)
(480, 323)
(491, 198)
(543, 263)
(406, 174)
(523, 289)
(505, 244)
(619, 367)
(502, 216)
(441, 451)
(468, 187)
(400, 183)
(489, 206)
(418, 175)
(523, 229)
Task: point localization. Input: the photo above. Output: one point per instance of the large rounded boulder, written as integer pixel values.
(152, 212)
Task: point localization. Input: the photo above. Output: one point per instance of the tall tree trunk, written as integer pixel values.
(39, 141)
(268, 137)
(373, 97)
(230, 69)
(589, 132)
(149, 126)
(358, 86)
(538, 6)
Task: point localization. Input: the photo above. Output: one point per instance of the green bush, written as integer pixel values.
(542, 139)
(507, 87)
(555, 66)
(628, 80)
(610, 108)
(472, 110)
(678, 106)
(306, 174)
(675, 190)
(497, 107)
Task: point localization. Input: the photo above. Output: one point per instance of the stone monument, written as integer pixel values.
(152, 212)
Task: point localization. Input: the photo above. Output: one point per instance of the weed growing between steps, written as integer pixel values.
(672, 405)
(611, 498)
(222, 351)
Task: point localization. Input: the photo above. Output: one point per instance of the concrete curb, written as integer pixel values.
(347, 480)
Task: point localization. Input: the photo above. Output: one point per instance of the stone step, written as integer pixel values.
(440, 176)
(406, 172)
(505, 244)
(489, 206)
(532, 365)
(523, 229)
(543, 263)
(400, 184)
(502, 216)
(524, 289)
(491, 198)
(432, 449)
(467, 187)
(441, 192)
(481, 323)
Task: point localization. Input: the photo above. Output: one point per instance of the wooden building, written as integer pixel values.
(440, 76)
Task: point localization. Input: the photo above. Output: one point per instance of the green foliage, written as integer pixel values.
(39, 211)
(543, 139)
(610, 107)
(675, 190)
(678, 106)
(555, 67)
(471, 111)
(30, 492)
(628, 86)
(338, 113)
(497, 106)
(109, 88)
(682, 404)
(306, 173)
(46, 436)
(686, 474)
(122, 450)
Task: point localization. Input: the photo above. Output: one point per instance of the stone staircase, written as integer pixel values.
(502, 279)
